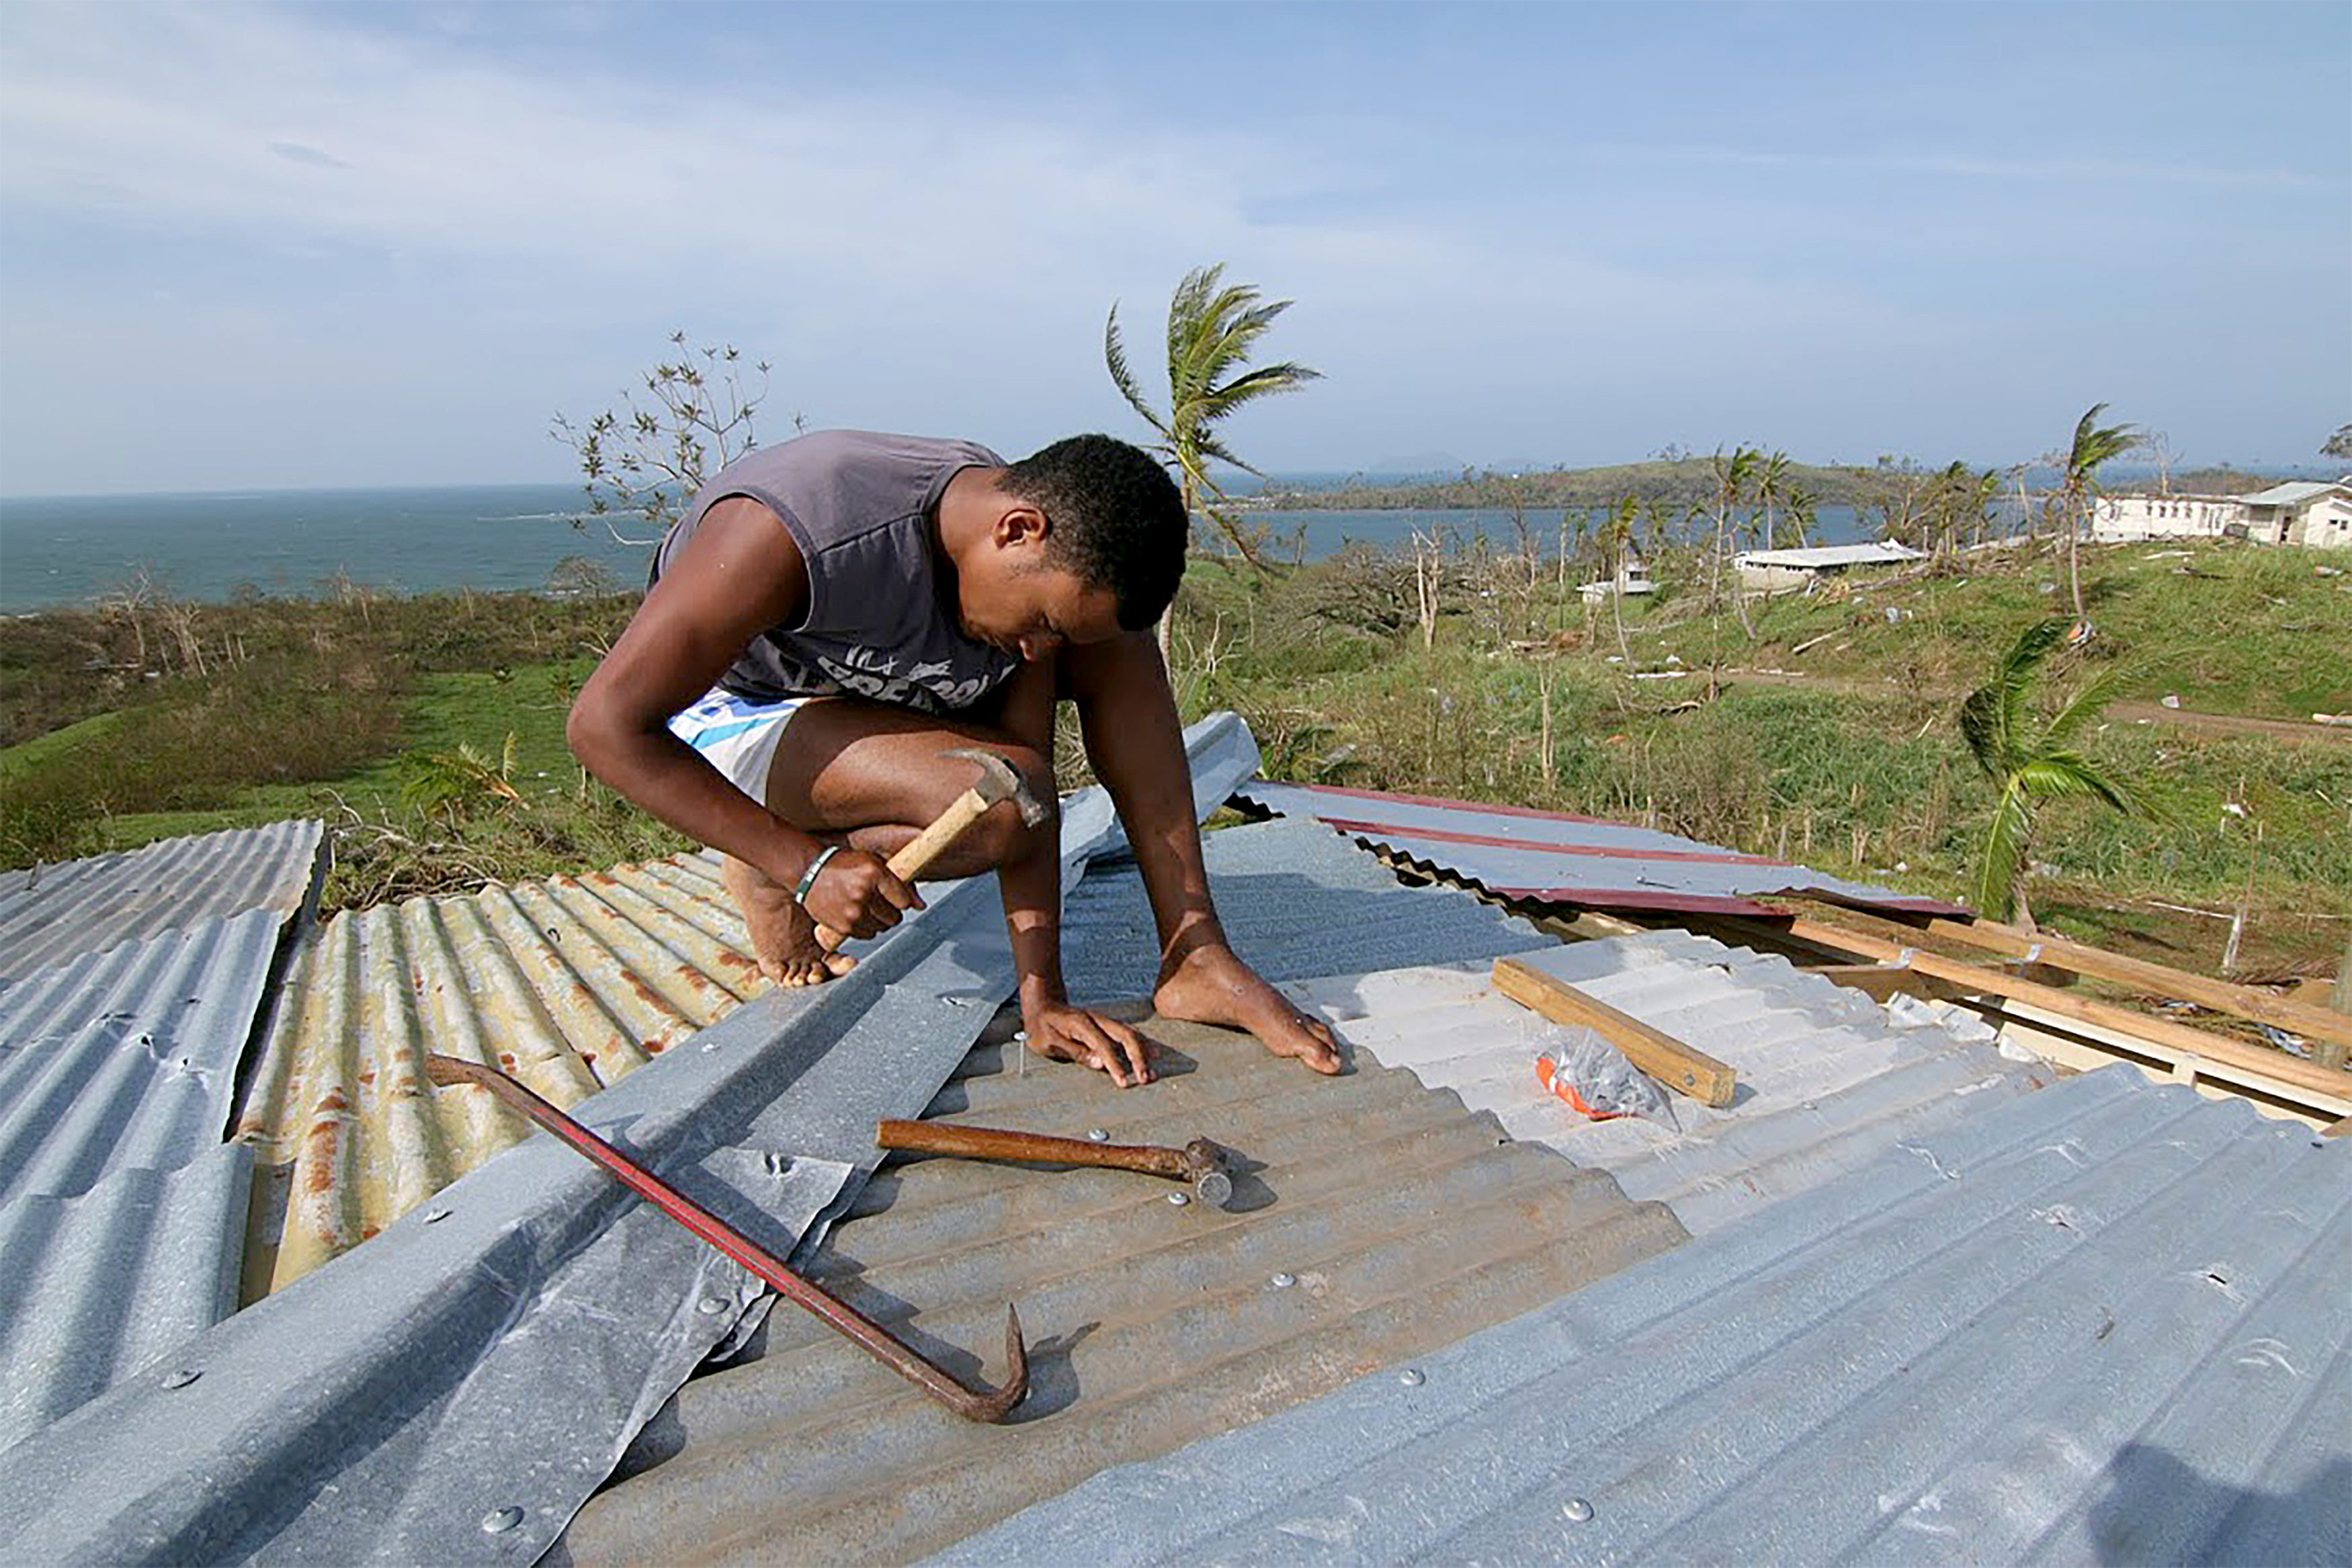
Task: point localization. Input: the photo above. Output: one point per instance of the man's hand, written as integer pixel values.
(857, 896)
(1060, 1033)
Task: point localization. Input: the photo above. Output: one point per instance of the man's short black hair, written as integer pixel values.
(1114, 519)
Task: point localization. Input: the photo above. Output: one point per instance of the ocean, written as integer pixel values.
(58, 552)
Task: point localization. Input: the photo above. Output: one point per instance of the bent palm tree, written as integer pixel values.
(1213, 329)
(2032, 763)
(2079, 482)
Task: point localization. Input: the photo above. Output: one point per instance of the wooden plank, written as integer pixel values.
(2276, 1066)
(1680, 1068)
(2154, 979)
(1879, 981)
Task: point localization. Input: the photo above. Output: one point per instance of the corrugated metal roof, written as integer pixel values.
(1378, 1221)
(1877, 552)
(129, 1057)
(2100, 1323)
(1295, 901)
(1828, 1079)
(569, 984)
(97, 1289)
(133, 984)
(52, 913)
(2294, 492)
(421, 1398)
(1517, 853)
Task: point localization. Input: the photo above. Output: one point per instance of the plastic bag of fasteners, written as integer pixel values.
(1594, 1078)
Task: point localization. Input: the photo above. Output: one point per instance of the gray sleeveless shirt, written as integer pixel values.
(860, 507)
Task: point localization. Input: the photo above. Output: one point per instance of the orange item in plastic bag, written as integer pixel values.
(1547, 1072)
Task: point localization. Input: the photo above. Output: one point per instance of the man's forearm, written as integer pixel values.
(1031, 884)
(1126, 714)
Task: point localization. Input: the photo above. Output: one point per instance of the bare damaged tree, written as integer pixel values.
(648, 457)
(1428, 565)
(132, 600)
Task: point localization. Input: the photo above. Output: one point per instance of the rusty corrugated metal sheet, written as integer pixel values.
(569, 984)
(1517, 853)
(50, 914)
(1380, 1221)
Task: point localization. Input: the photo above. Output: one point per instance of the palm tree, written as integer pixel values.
(1212, 327)
(2078, 483)
(2032, 762)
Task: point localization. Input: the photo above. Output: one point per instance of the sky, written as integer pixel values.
(248, 247)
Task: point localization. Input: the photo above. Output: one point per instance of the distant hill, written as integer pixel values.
(1679, 483)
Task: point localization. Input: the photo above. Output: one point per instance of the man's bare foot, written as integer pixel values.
(1210, 985)
(783, 937)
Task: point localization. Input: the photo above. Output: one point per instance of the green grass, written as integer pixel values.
(332, 708)
(2259, 632)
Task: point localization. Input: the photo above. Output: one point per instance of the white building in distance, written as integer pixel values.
(1779, 571)
(2310, 512)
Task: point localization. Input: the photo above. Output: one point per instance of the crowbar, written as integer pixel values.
(862, 1331)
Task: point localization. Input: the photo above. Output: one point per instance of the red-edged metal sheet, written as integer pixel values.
(1519, 852)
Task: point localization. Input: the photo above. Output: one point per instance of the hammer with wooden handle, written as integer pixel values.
(1202, 1164)
(999, 781)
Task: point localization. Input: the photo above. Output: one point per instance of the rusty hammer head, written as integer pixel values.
(1204, 1167)
(1000, 781)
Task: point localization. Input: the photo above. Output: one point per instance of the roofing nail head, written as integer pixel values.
(435, 1216)
(1284, 1282)
(711, 1305)
(1098, 1136)
(1410, 1377)
(1177, 1199)
(180, 1378)
(1576, 1510)
(498, 1520)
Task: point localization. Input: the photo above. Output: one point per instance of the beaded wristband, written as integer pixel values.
(808, 877)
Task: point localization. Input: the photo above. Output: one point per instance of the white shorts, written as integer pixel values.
(738, 736)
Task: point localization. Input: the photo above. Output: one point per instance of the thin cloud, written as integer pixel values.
(2065, 170)
(296, 152)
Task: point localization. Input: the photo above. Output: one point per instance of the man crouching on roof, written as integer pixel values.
(832, 614)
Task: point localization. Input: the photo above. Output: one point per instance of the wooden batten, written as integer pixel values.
(1680, 1068)
(2077, 1032)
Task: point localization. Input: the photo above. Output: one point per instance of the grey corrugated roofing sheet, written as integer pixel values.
(97, 1289)
(2293, 492)
(53, 913)
(1517, 853)
(133, 986)
(1378, 1220)
(1828, 1079)
(454, 1389)
(2100, 1323)
(1399, 1220)
(128, 1057)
